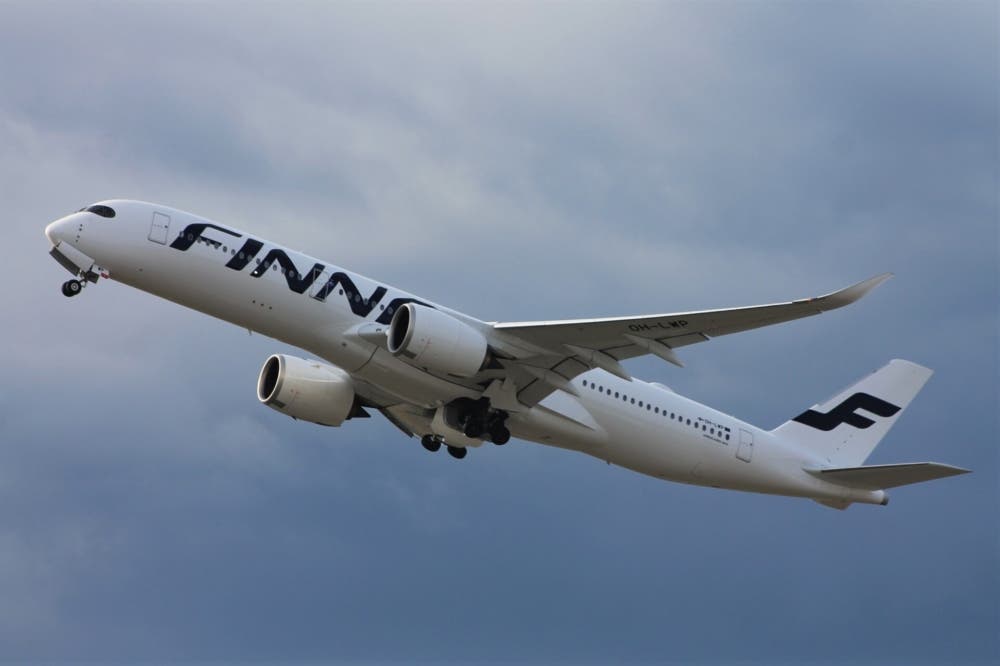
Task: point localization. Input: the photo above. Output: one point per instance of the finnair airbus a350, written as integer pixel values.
(456, 381)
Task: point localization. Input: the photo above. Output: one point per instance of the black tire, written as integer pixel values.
(457, 451)
(500, 436)
(430, 443)
(473, 429)
(71, 288)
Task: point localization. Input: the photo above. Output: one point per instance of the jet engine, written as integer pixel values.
(435, 341)
(307, 390)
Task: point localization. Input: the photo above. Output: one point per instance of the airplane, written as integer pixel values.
(455, 381)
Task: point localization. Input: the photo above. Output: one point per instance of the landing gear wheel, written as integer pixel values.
(500, 436)
(473, 429)
(457, 451)
(431, 443)
(71, 287)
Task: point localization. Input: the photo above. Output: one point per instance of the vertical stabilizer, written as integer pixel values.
(844, 430)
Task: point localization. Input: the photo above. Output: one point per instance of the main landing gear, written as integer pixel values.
(473, 418)
(433, 444)
(71, 288)
(476, 419)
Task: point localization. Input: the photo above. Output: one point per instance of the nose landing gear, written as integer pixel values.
(71, 288)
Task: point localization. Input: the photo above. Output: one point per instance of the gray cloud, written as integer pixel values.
(514, 162)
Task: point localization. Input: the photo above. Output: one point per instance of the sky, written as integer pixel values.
(514, 161)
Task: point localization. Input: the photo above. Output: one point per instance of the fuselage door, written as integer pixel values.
(158, 228)
(745, 452)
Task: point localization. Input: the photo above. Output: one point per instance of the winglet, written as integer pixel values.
(848, 295)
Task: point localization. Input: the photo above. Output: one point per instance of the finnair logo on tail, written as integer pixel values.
(846, 412)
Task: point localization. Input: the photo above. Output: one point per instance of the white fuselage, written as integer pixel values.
(634, 424)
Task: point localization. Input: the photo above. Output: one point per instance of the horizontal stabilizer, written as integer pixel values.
(878, 477)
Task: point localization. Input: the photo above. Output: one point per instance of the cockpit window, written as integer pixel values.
(103, 211)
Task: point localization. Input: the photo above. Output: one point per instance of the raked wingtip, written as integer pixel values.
(855, 292)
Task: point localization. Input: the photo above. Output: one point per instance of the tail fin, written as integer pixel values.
(836, 430)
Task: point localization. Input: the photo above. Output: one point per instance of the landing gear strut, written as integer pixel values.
(72, 287)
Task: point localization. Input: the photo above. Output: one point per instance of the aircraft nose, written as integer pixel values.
(58, 230)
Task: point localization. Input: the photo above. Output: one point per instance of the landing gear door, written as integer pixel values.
(745, 452)
(158, 228)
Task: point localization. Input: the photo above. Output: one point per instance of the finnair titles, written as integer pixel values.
(456, 382)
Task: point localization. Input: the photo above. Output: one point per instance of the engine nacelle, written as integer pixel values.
(435, 341)
(306, 390)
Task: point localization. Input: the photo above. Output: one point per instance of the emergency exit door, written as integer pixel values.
(745, 452)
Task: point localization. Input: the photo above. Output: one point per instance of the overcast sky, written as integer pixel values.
(514, 161)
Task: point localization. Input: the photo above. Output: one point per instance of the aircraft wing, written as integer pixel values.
(547, 354)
